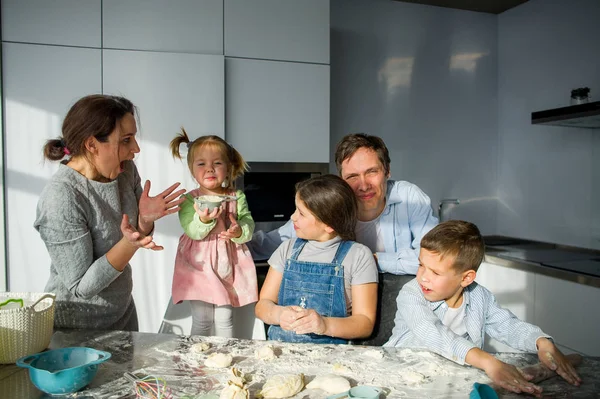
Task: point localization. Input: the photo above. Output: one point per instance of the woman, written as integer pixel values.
(93, 215)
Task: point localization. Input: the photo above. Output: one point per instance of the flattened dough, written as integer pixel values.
(330, 383)
(218, 360)
(283, 386)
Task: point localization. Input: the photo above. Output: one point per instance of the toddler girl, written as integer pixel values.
(321, 287)
(213, 267)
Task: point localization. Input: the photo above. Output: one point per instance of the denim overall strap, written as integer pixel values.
(314, 285)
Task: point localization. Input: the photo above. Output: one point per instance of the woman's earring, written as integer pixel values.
(225, 183)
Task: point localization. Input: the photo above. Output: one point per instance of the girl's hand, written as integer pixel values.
(207, 217)
(288, 316)
(135, 238)
(153, 208)
(553, 358)
(234, 230)
(309, 321)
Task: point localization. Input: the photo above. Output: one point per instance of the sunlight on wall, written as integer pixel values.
(153, 270)
(30, 127)
(466, 61)
(396, 73)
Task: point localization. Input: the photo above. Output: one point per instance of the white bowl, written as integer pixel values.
(209, 202)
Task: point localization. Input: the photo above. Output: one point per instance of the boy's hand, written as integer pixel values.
(510, 378)
(207, 217)
(234, 230)
(553, 358)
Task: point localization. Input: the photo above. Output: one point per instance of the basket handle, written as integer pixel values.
(52, 296)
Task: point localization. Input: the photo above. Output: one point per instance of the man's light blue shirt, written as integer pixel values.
(406, 218)
(418, 324)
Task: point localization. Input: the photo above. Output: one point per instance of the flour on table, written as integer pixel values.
(412, 377)
(218, 360)
(330, 383)
(374, 353)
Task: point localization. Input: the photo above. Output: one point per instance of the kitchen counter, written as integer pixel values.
(578, 265)
(402, 373)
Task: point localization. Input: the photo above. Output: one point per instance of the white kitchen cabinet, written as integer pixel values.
(171, 90)
(514, 290)
(277, 111)
(63, 22)
(40, 84)
(288, 30)
(568, 312)
(185, 26)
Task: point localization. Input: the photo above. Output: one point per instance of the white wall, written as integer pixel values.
(424, 79)
(548, 176)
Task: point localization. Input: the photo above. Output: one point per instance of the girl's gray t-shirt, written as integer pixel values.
(359, 264)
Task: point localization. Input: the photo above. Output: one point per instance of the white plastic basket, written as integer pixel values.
(27, 330)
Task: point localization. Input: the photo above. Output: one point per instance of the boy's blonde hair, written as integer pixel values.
(236, 166)
(459, 239)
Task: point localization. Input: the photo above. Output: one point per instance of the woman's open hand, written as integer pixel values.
(153, 208)
(135, 238)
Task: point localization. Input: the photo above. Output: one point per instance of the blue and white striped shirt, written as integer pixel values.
(418, 324)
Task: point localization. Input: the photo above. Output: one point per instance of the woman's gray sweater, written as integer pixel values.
(79, 221)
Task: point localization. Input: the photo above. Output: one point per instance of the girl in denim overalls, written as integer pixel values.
(322, 286)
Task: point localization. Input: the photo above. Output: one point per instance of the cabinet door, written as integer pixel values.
(40, 83)
(288, 30)
(66, 22)
(186, 26)
(278, 111)
(170, 90)
(514, 290)
(568, 312)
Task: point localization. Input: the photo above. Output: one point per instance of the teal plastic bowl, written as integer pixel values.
(65, 370)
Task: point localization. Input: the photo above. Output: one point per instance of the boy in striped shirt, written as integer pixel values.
(444, 310)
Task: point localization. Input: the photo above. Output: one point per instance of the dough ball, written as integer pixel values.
(218, 360)
(200, 347)
(282, 386)
(265, 353)
(330, 383)
(233, 391)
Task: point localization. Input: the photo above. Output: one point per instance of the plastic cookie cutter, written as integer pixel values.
(302, 302)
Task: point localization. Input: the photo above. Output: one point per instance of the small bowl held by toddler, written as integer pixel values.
(209, 202)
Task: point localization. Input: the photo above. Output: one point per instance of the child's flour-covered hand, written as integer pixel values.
(234, 230)
(553, 358)
(511, 378)
(207, 217)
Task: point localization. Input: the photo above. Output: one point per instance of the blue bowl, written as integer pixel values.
(482, 391)
(65, 370)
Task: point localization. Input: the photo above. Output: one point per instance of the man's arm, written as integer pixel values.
(420, 221)
(264, 244)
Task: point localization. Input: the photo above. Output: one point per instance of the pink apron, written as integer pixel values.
(215, 271)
